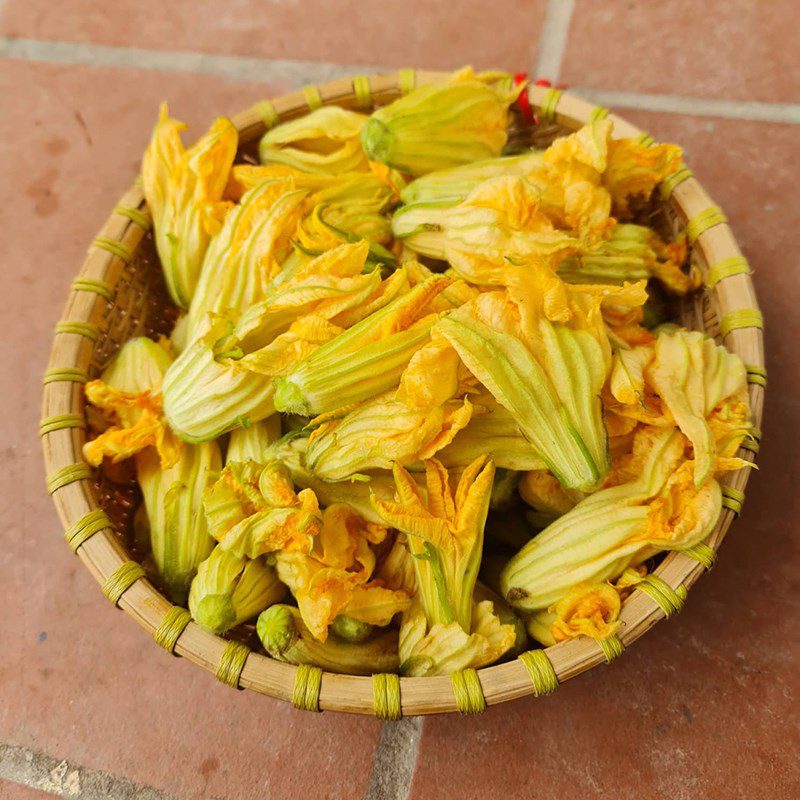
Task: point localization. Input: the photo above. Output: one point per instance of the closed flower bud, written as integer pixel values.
(440, 125)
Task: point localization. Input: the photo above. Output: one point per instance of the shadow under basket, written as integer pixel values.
(119, 294)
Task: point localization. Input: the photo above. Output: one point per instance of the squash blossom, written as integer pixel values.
(652, 502)
(184, 191)
(445, 629)
(632, 253)
(492, 430)
(291, 452)
(589, 174)
(453, 185)
(684, 379)
(253, 442)
(367, 359)
(252, 509)
(588, 609)
(336, 576)
(172, 475)
(545, 361)
(500, 221)
(378, 433)
(440, 125)
(326, 141)
(286, 637)
(245, 256)
(235, 360)
(229, 589)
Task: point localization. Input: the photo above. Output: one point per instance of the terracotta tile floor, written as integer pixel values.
(13, 791)
(705, 706)
(731, 49)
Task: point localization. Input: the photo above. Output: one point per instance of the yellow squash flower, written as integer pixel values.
(440, 125)
(252, 509)
(254, 442)
(382, 431)
(445, 534)
(439, 649)
(453, 185)
(286, 637)
(652, 503)
(591, 165)
(547, 374)
(141, 424)
(184, 191)
(632, 253)
(326, 141)
(335, 578)
(230, 589)
(500, 221)
(685, 379)
(234, 362)
(245, 256)
(445, 629)
(367, 359)
(172, 475)
(492, 430)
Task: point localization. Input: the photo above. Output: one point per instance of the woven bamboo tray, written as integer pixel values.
(119, 294)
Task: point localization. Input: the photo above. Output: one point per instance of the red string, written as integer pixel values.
(523, 101)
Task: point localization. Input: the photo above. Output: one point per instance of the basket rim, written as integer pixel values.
(63, 423)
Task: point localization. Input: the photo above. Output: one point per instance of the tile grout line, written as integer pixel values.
(298, 73)
(395, 760)
(63, 778)
(553, 39)
(240, 68)
(694, 106)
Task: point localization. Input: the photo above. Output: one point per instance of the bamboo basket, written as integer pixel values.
(119, 294)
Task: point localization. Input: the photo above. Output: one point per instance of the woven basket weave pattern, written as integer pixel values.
(120, 294)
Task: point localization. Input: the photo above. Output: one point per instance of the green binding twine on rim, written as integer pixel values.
(386, 696)
(61, 422)
(362, 91)
(671, 182)
(121, 579)
(669, 600)
(743, 318)
(86, 527)
(66, 475)
(307, 683)
(407, 78)
(706, 219)
(702, 553)
(540, 668)
(727, 268)
(134, 215)
(752, 441)
(646, 139)
(550, 103)
(103, 288)
(65, 374)
(231, 663)
(268, 114)
(86, 329)
(756, 375)
(115, 248)
(313, 97)
(468, 691)
(611, 646)
(171, 627)
(598, 113)
(732, 499)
